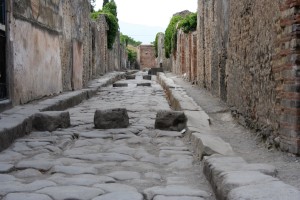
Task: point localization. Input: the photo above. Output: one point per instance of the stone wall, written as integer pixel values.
(53, 46)
(161, 59)
(146, 56)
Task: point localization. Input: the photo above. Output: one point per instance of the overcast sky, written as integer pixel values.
(142, 19)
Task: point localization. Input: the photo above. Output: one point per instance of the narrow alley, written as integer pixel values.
(81, 162)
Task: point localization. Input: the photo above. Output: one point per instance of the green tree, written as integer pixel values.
(110, 12)
(104, 2)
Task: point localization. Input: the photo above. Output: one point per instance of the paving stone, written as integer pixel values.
(80, 180)
(160, 133)
(51, 120)
(105, 157)
(184, 163)
(16, 187)
(124, 175)
(7, 178)
(111, 118)
(274, 190)
(170, 120)
(74, 170)
(42, 165)
(174, 190)
(96, 134)
(123, 150)
(121, 196)
(153, 175)
(26, 196)
(37, 144)
(10, 156)
(27, 173)
(6, 167)
(71, 192)
(176, 181)
(160, 197)
(115, 187)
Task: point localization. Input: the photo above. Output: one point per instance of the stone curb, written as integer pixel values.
(17, 122)
(231, 177)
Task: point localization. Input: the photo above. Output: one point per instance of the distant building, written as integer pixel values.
(146, 56)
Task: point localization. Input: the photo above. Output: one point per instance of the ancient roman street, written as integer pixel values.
(138, 162)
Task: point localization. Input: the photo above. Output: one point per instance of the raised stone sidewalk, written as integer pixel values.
(231, 177)
(17, 122)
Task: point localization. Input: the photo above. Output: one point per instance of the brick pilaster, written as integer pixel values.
(286, 69)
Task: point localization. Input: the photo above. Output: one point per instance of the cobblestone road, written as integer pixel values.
(80, 162)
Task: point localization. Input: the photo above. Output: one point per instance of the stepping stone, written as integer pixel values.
(71, 192)
(147, 77)
(50, 120)
(124, 175)
(170, 120)
(120, 85)
(26, 196)
(111, 118)
(121, 196)
(144, 84)
(130, 77)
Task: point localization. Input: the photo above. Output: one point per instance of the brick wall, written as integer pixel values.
(248, 54)
(287, 75)
(146, 56)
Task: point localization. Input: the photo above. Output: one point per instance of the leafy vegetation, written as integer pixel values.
(125, 39)
(171, 35)
(187, 24)
(110, 12)
(131, 45)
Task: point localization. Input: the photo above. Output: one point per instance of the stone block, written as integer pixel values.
(154, 71)
(111, 118)
(144, 84)
(50, 120)
(120, 85)
(207, 145)
(170, 120)
(273, 190)
(130, 77)
(147, 77)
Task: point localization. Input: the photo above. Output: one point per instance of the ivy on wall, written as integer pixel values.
(187, 24)
(110, 12)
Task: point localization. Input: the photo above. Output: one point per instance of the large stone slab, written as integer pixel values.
(6, 167)
(71, 192)
(116, 187)
(207, 145)
(111, 118)
(197, 119)
(124, 175)
(161, 197)
(50, 120)
(170, 120)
